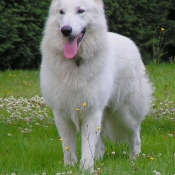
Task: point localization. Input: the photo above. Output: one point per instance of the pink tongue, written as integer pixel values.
(70, 49)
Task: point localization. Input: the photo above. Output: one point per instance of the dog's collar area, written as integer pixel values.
(78, 60)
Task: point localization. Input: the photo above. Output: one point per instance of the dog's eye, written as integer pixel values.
(61, 12)
(80, 11)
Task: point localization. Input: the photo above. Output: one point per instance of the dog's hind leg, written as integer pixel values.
(67, 132)
(130, 122)
(135, 143)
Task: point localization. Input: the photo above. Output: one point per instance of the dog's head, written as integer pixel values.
(75, 22)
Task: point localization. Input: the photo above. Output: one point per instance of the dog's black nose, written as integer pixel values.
(66, 30)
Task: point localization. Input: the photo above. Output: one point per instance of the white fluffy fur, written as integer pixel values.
(111, 76)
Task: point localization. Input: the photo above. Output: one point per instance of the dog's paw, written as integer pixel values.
(133, 156)
(70, 161)
(87, 166)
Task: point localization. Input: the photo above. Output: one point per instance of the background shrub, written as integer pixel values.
(138, 19)
(22, 22)
(21, 26)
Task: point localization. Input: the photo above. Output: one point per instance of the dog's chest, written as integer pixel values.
(72, 87)
(77, 88)
(74, 96)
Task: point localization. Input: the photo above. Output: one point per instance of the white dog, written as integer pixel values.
(88, 72)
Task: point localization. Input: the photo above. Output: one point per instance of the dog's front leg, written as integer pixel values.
(67, 132)
(90, 131)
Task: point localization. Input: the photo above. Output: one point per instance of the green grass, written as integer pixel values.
(29, 142)
(163, 78)
(19, 83)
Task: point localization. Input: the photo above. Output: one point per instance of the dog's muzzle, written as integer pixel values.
(73, 42)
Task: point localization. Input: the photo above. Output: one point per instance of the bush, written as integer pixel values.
(138, 19)
(22, 23)
(21, 29)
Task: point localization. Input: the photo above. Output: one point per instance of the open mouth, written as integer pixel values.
(80, 36)
(72, 44)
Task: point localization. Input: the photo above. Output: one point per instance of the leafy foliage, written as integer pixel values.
(20, 32)
(139, 19)
(22, 21)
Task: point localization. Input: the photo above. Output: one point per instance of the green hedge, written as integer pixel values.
(138, 19)
(22, 22)
(21, 26)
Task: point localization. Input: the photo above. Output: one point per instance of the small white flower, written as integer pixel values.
(132, 163)
(156, 172)
(159, 155)
(143, 155)
(171, 135)
(98, 169)
(124, 152)
(113, 152)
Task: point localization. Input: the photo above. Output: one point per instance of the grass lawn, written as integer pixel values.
(19, 84)
(30, 145)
